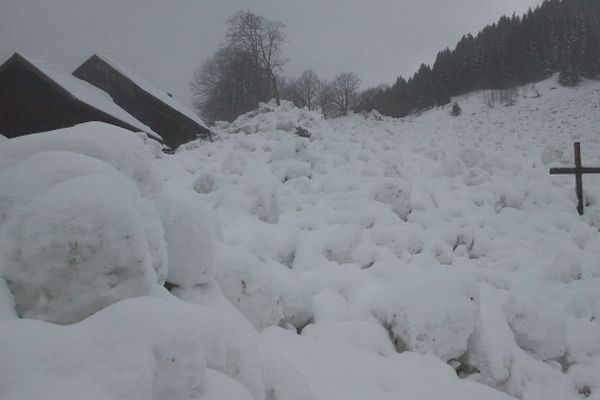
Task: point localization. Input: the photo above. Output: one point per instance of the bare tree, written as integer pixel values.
(325, 99)
(262, 39)
(243, 72)
(227, 85)
(306, 89)
(344, 89)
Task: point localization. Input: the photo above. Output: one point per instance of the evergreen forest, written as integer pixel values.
(559, 36)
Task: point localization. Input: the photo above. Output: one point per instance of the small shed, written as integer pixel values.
(175, 123)
(34, 98)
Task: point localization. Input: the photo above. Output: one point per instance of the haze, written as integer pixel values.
(164, 41)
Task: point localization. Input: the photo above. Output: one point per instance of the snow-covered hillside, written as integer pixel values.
(427, 258)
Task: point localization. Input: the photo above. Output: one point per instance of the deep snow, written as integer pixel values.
(424, 258)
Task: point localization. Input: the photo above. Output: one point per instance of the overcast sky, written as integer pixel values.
(165, 40)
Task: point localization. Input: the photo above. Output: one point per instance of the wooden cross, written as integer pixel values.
(578, 171)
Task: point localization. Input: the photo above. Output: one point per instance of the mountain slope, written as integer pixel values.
(422, 258)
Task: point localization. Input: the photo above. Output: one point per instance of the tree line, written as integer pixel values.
(558, 36)
(247, 69)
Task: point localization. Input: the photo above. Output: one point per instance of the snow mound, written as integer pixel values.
(539, 327)
(131, 153)
(142, 348)
(439, 325)
(26, 179)
(76, 248)
(191, 232)
(283, 118)
(395, 193)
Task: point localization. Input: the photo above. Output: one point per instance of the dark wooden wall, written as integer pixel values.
(175, 128)
(29, 104)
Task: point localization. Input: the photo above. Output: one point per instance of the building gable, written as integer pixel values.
(176, 124)
(35, 99)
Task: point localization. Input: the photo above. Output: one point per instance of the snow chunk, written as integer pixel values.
(23, 181)
(282, 379)
(395, 193)
(247, 284)
(565, 268)
(554, 153)
(75, 249)
(131, 153)
(218, 386)
(439, 325)
(330, 305)
(284, 118)
(205, 183)
(491, 345)
(539, 327)
(191, 231)
(144, 348)
(336, 369)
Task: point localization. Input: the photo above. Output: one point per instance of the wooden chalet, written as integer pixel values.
(175, 123)
(33, 98)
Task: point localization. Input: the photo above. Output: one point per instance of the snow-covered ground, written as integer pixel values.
(427, 258)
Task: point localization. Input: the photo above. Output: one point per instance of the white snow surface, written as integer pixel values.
(431, 257)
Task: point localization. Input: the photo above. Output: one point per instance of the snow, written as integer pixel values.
(97, 255)
(427, 324)
(126, 352)
(154, 91)
(92, 96)
(422, 258)
(337, 370)
(131, 154)
(190, 240)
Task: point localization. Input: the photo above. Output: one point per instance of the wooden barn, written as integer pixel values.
(33, 98)
(175, 123)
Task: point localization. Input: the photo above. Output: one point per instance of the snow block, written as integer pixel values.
(75, 249)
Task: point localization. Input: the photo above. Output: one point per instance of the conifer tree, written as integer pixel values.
(557, 36)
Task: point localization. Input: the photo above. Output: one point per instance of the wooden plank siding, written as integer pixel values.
(30, 102)
(174, 127)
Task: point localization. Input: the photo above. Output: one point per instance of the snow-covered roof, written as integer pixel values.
(153, 91)
(89, 94)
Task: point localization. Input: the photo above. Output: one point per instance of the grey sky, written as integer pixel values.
(164, 40)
